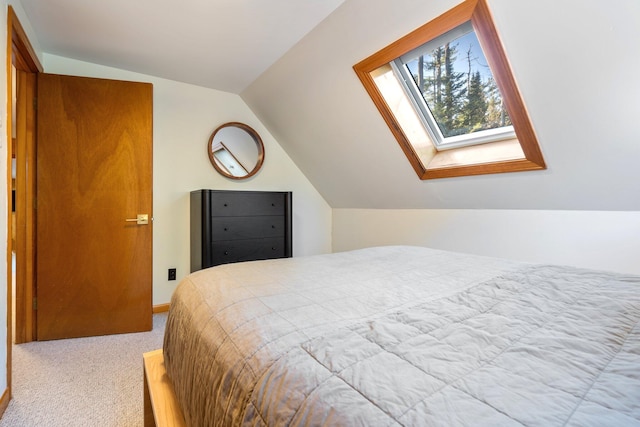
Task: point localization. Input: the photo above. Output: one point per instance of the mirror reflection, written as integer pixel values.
(236, 150)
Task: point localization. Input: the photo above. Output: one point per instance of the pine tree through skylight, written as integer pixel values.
(454, 89)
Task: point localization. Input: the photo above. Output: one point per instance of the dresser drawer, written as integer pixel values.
(246, 203)
(246, 227)
(247, 250)
(234, 226)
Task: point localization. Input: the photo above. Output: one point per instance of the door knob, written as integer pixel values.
(142, 219)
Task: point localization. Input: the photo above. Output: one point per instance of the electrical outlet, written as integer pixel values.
(172, 274)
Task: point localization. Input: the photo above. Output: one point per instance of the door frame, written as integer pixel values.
(21, 54)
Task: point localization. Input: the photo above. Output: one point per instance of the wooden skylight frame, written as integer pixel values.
(520, 154)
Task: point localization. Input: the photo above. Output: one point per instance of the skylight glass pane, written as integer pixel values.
(453, 77)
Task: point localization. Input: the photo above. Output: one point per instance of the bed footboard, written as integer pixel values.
(161, 408)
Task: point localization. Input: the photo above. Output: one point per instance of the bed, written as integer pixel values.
(401, 335)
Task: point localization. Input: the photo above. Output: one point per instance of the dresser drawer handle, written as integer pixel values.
(226, 252)
(273, 226)
(226, 229)
(273, 248)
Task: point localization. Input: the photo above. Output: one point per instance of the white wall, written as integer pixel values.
(591, 239)
(184, 117)
(575, 62)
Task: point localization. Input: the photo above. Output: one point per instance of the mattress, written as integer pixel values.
(410, 336)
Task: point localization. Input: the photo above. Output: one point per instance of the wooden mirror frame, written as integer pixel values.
(253, 134)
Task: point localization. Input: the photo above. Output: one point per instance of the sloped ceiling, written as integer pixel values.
(219, 44)
(575, 62)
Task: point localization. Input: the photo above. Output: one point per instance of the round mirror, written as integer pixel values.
(236, 150)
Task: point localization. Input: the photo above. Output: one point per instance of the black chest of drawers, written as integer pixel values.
(234, 226)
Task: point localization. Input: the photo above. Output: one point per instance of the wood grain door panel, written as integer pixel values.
(94, 160)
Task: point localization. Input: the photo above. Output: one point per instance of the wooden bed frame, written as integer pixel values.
(161, 408)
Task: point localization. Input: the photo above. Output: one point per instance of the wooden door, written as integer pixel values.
(94, 171)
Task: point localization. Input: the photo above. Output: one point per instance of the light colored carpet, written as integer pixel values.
(84, 382)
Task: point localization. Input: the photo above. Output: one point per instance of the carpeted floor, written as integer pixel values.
(84, 382)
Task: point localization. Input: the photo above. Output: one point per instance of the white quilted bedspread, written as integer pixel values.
(405, 336)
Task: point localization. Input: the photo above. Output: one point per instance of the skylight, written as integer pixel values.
(454, 91)
(448, 95)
